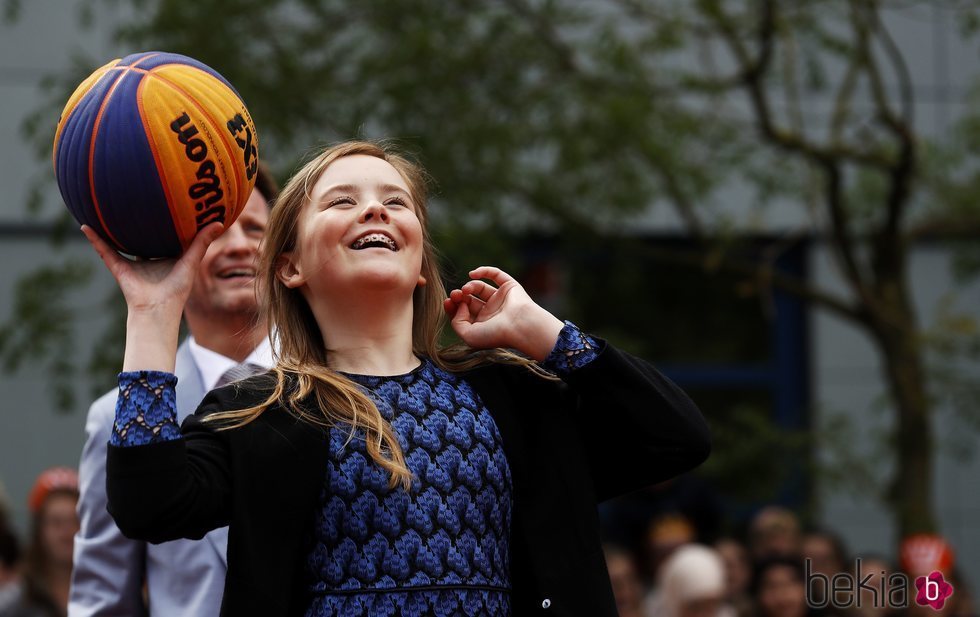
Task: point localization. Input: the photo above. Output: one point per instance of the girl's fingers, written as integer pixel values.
(493, 273)
(107, 253)
(461, 320)
(459, 295)
(479, 289)
(459, 298)
(475, 306)
(199, 245)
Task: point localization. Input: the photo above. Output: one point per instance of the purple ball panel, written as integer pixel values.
(128, 186)
(72, 158)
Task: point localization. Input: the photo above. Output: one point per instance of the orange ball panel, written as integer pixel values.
(185, 114)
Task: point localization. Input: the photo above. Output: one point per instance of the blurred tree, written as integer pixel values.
(580, 118)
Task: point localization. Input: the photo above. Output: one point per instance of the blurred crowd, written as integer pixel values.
(35, 576)
(671, 554)
(668, 555)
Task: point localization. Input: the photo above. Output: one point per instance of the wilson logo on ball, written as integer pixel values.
(208, 190)
(152, 147)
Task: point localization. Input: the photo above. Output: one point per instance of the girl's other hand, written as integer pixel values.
(487, 316)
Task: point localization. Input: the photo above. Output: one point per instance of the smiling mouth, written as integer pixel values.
(374, 241)
(237, 273)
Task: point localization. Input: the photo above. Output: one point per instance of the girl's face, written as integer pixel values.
(360, 231)
(58, 526)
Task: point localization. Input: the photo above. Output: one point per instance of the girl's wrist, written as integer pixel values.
(151, 341)
(537, 333)
(154, 319)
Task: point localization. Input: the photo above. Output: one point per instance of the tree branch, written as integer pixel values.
(953, 227)
(791, 85)
(754, 73)
(686, 209)
(842, 102)
(887, 248)
(899, 65)
(564, 53)
(902, 171)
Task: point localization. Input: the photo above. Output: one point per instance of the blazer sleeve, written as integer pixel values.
(638, 427)
(108, 571)
(174, 489)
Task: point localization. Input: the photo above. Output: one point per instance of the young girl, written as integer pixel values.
(374, 472)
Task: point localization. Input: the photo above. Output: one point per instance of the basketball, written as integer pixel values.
(152, 147)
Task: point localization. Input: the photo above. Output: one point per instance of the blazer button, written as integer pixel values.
(546, 603)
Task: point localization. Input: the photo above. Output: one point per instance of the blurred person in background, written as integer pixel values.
(778, 588)
(826, 552)
(4, 503)
(774, 532)
(691, 584)
(626, 585)
(625, 519)
(10, 581)
(872, 604)
(738, 574)
(10, 584)
(664, 535)
(47, 565)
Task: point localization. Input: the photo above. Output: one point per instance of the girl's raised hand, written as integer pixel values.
(155, 291)
(487, 316)
(157, 285)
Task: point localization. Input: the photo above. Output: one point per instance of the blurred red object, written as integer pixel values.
(921, 554)
(54, 479)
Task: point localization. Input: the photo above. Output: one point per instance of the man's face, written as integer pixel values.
(225, 282)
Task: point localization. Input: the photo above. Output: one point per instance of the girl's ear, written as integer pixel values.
(287, 272)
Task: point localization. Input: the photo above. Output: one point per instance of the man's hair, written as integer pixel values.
(266, 183)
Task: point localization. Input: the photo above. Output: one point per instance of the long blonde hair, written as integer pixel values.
(301, 353)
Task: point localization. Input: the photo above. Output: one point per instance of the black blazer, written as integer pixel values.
(612, 427)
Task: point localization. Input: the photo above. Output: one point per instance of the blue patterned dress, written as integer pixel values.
(441, 548)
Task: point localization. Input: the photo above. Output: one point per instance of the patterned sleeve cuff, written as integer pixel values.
(146, 410)
(573, 350)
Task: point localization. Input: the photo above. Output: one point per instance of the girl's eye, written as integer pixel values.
(398, 201)
(339, 201)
